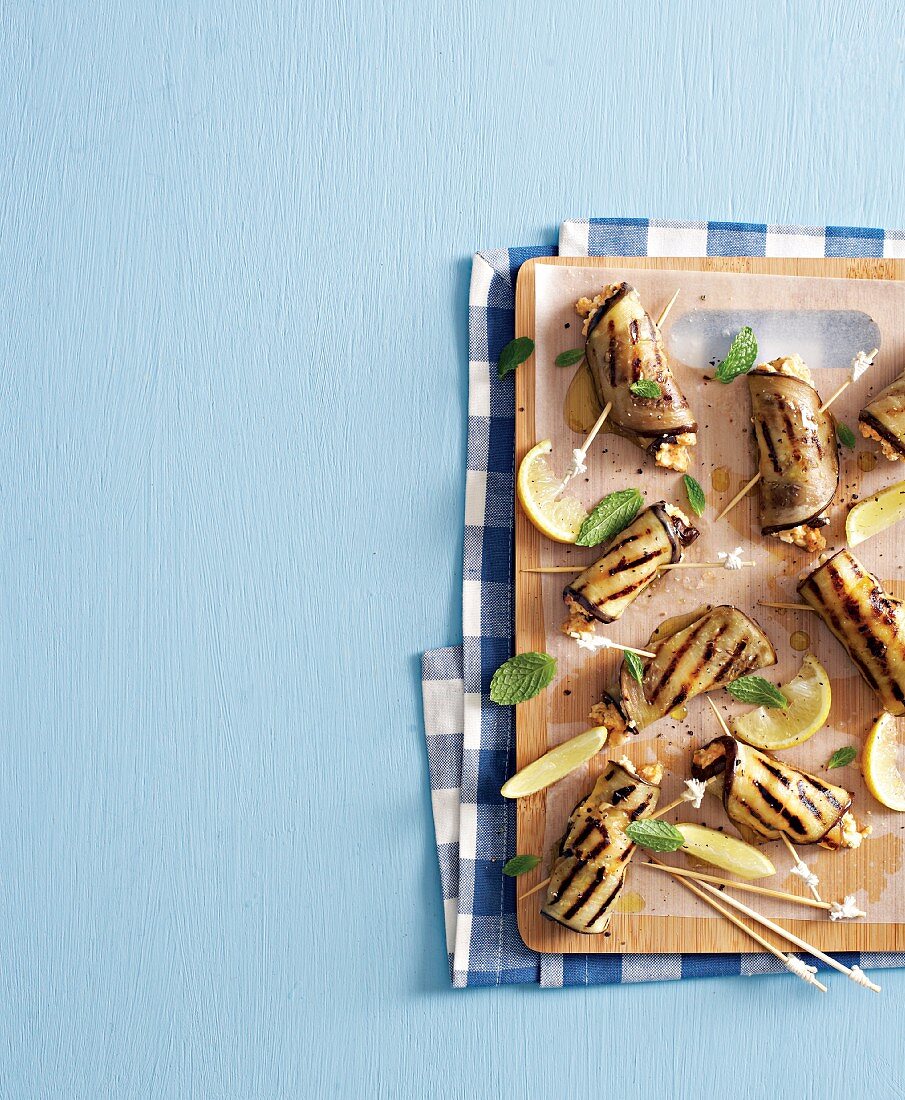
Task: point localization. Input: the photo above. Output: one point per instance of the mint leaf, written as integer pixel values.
(522, 677)
(569, 358)
(645, 387)
(845, 435)
(614, 513)
(758, 691)
(515, 352)
(520, 865)
(841, 757)
(658, 836)
(633, 663)
(695, 494)
(742, 353)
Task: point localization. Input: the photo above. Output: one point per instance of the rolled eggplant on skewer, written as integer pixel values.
(883, 419)
(765, 797)
(694, 654)
(624, 346)
(590, 870)
(655, 537)
(798, 453)
(869, 622)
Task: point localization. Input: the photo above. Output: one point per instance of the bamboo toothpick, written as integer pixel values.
(786, 606)
(738, 496)
(706, 565)
(789, 961)
(754, 480)
(748, 887)
(667, 308)
(855, 973)
(720, 718)
(556, 569)
(845, 385)
(799, 862)
(581, 453)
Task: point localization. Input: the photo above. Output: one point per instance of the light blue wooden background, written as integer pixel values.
(234, 250)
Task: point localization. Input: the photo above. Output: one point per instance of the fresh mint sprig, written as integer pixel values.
(696, 499)
(612, 515)
(656, 836)
(520, 865)
(841, 757)
(740, 359)
(569, 358)
(757, 691)
(522, 677)
(646, 387)
(515, 352)
(634, 666)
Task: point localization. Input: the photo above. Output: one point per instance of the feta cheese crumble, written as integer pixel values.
(593, 642)
(861, 363)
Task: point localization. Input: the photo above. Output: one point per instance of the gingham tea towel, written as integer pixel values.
(470, 740)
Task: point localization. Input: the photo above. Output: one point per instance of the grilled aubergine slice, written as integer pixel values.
(883, 419)
(869, 622)
(694, 654)
(625, 346)
(765, 797)
(590, 870)
(798, 453)
(655, 537)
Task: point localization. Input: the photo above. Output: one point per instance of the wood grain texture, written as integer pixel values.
(232, 490)
(878, 863)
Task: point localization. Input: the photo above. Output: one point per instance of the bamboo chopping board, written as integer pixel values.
(814, 307)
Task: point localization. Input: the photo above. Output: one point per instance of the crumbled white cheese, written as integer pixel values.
(593, 642)
(697, 788)
(860, 364)
(806, 874)
(731, 559)
(846, 909)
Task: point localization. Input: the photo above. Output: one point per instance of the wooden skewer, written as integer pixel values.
(791, 850)
(592, 435)
(787, 606)
(535, 889)
(738, 496)
(556, 569)
(859, 977)
(705, 565)
(749, 887)
(754, 480)
(667, 308)
(845, 385)
(721, 719)
(756, 936)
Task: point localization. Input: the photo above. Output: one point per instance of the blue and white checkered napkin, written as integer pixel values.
(470, 740)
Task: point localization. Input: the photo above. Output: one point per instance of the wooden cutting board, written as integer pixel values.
(822, 309)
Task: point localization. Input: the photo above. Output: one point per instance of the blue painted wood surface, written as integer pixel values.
(234, 248)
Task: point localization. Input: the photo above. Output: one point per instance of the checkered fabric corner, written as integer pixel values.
(470, 740)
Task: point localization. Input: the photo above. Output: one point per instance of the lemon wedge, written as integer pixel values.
(878, 763)
(538, 488)
(874, 514)
(726, 852)
(772, 728)
(555, 764)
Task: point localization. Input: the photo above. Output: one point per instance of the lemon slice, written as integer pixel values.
(874, 514)
(556, 763)
(772, 728)
(727, 852)
(538, 488)
(878, 762)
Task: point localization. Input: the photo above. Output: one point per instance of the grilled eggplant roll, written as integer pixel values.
(624, 346)
(695, 653)
(798, 453)
(883, 419)
(590, 870)
(655, 537)
(766, 797)
(868, 621)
